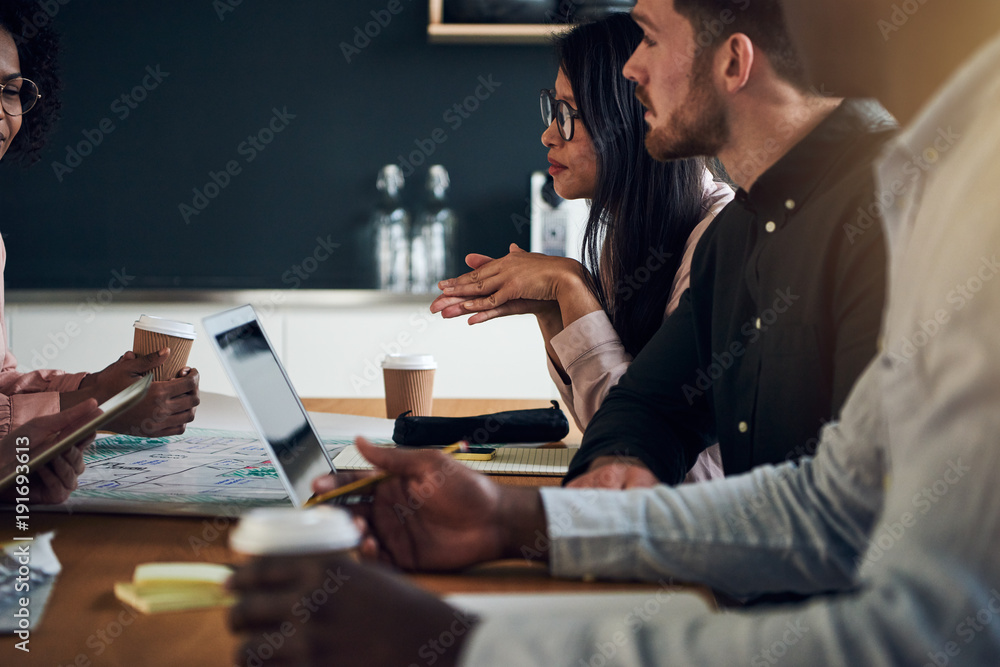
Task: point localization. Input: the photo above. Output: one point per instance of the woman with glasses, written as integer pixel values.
(645, 220)
(20, 140)
(39, 404)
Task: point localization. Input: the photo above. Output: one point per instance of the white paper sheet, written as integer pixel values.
(565, 605)
(225, 413)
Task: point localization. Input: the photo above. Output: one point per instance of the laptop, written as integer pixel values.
(269, 399)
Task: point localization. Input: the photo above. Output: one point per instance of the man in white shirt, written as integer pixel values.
(898, 514)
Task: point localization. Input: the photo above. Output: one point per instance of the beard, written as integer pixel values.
(698, 127)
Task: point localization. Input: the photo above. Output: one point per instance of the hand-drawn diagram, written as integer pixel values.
(202, 472)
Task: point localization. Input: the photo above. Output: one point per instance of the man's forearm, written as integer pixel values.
(649, 415)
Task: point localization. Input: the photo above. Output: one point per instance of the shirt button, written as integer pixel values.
(790, 204)
(758, 323)
(770, 227)
(744, 427)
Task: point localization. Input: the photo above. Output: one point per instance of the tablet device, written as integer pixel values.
(112, 408)
(269, 399)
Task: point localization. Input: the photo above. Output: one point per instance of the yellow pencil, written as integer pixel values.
(364, 483)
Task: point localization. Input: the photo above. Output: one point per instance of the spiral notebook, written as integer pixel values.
(546, 461)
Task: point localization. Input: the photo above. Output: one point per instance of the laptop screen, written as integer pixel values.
(274, 407)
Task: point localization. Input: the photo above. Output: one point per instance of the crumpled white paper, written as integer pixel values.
(32, 580)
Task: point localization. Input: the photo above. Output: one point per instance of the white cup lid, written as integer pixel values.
(285, 530)
(166, 327)
(409, 362)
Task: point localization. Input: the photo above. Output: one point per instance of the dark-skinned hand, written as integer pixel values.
(436, 514)
(614, 472)
(168, 406)
(318, 611)
(54, 482)
(433, 514)
(519, 283)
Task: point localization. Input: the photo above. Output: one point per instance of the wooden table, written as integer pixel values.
(86, 625)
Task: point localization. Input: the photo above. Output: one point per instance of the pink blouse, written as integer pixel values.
(24, 396)
(594, 358)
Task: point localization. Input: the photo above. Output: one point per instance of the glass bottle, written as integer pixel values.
(391, 225)
(433, 235)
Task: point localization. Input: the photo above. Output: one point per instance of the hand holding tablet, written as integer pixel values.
(54, 439)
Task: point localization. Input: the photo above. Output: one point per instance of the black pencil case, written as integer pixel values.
(514, 426)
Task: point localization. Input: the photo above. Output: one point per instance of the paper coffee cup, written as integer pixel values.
(288, 531)
(152, 334)
(409, 384)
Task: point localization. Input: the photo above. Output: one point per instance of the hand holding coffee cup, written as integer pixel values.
(285, 544)
(152, 334)
(313, 602)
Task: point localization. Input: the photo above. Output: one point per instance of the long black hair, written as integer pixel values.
(643, 211)
(38, 50)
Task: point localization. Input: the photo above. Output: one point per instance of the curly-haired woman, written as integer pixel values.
(29, 107)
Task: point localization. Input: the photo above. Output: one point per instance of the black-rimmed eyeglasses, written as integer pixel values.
(558, 110)
(18, 96)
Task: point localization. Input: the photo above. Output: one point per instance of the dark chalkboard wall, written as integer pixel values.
(109, 191)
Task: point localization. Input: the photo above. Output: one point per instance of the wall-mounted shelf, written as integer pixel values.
(439, 32)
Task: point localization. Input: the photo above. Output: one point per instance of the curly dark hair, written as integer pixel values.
(38, 50)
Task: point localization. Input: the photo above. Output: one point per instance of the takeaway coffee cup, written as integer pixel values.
(409, 384)
(286, 531)
(155, 333)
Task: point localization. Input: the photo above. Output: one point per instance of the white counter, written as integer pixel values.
(331, 341)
